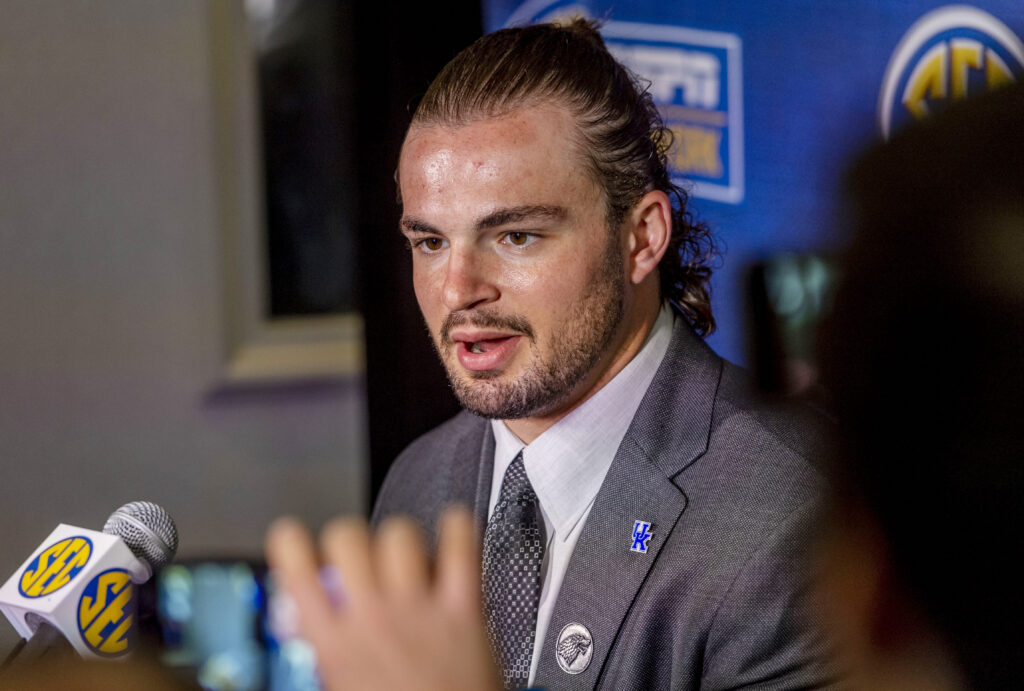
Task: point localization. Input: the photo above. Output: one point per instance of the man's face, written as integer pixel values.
(520, 281)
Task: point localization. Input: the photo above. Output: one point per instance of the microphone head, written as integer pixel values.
(147, 529)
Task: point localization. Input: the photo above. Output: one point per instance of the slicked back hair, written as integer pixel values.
(623, 137)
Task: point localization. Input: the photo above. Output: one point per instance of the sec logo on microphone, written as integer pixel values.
(55, 566)
(106, 613)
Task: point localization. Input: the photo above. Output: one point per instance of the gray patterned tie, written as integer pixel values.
(513, 550)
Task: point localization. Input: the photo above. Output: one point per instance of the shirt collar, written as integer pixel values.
(567, 463)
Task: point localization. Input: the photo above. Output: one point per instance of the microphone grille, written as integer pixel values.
(147, 529)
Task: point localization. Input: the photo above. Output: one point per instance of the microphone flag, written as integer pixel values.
(81, 582)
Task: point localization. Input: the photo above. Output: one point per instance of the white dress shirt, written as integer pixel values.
(567, 463)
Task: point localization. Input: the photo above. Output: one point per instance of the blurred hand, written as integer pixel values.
(403, 626)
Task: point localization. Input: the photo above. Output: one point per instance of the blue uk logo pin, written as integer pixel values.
(641, 536)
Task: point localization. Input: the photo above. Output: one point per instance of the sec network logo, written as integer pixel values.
(948, 54)
(696, 82)
(55, 566)
(106, 613)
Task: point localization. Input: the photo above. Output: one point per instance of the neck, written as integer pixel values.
(621, 351)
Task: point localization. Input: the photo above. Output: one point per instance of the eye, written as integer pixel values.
(519, 238)
(430, 244)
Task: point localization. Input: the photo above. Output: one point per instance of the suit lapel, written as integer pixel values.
(482, 496)
(604, 575)
(668, 433)
(466, 457)
(467, 478)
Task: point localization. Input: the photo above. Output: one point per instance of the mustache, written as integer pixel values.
(485, 320)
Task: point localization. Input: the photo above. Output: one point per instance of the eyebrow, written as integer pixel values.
(516, 214)
(496, 219)
(414, 225)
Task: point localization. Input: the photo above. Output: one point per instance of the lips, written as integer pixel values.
(481, 351)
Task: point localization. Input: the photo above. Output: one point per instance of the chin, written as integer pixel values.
(508, 399)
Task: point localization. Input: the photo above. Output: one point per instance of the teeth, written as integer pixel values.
(475, 348)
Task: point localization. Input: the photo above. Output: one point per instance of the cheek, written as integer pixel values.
(516, 280)
(548, 296)
(570, 280)
(427, 287)
(557, 277)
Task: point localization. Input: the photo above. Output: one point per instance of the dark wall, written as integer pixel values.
(399, 49)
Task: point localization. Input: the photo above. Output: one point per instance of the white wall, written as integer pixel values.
(111, 317)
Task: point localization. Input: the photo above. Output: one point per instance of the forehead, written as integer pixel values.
(528, 156)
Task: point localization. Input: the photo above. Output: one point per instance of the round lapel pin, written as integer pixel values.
(575, 648)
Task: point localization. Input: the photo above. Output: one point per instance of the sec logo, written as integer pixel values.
(106, 613)
(55, 566)
(948, 54)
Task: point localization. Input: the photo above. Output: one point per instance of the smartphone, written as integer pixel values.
(789, 296)
(223, 625)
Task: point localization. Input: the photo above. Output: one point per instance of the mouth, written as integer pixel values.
(485, 345)
(485, 351)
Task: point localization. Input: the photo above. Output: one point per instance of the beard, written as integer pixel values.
(550, 376)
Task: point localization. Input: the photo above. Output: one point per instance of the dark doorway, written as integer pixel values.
(400, 47)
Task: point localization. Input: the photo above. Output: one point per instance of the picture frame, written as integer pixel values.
(259, 348)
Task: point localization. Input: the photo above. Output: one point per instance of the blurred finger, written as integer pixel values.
(292, 556)
(401, 558)
(346, 545)
(458, 560)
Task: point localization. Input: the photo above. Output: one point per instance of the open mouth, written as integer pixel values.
(487, 353)
(487, 345)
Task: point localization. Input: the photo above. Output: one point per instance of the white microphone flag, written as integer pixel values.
(82, 583)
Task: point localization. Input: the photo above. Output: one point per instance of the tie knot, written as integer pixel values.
(516, 491)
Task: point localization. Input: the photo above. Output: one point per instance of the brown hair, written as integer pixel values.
(625, 140)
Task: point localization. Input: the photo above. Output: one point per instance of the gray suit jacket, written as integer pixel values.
(717, 602)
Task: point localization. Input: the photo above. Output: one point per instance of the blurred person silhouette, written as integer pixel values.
(923, 355)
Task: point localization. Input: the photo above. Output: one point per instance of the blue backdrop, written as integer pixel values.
(770, 100)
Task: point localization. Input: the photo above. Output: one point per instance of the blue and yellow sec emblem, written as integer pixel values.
(106, 613)
(949, 53)
(55, 566)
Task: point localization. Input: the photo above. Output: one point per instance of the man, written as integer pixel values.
(643, 517)
(667, 548)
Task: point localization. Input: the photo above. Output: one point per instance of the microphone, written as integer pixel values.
(80, 583)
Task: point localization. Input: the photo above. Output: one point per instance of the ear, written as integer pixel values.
(649, 230)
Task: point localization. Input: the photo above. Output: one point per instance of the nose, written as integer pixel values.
(467, 281)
